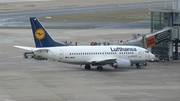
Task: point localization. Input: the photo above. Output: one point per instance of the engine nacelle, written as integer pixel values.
(121, 63)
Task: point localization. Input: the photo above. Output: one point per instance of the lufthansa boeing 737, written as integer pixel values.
(113, 55)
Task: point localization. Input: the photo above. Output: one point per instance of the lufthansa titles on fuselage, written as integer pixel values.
(122, 49)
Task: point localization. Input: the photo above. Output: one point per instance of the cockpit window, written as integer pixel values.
(146, 52)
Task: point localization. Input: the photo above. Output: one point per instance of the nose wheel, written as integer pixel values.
(138, 66)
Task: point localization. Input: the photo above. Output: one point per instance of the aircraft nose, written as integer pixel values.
(152, 56)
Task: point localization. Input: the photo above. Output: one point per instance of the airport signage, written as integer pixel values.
(151, 41)
(158, 38)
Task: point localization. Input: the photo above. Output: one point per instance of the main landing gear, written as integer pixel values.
(138, 66)
(88, 67)
(99, 68)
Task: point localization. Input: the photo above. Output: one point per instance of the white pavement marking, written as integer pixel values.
(1, 99)
(21, 0)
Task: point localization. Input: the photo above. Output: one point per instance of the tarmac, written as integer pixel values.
(35, 80)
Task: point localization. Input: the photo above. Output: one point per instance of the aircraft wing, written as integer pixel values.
(32, 48)
(103, 61)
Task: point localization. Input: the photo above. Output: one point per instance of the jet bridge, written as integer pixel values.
(165, 33)
(149, 40)
(159, 43)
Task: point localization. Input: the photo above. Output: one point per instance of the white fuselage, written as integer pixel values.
(87, 54)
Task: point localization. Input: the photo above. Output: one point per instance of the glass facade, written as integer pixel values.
(161, 50)
(176, 19)
(160, 20)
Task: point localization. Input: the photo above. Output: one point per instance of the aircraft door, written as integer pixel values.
(61, 54)
(140, 54)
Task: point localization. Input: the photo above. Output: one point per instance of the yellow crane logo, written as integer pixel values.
(40, 34)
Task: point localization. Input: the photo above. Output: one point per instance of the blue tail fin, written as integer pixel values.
(41, 37)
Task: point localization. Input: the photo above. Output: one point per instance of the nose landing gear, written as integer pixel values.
(138, 66)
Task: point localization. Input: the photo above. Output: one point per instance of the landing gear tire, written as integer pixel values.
(139, 67)
(145, 64)
(99, 68)
(87, 67)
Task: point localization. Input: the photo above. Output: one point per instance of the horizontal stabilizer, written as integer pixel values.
(25, 48)
(32, 48)
(40, 50)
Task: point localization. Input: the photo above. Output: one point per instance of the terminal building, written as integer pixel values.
(167, 41)
(164, 39)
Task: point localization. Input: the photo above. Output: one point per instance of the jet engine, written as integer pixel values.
(121, 63)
